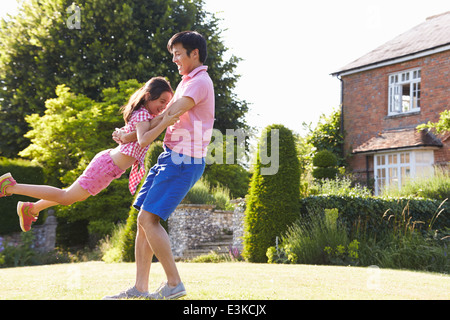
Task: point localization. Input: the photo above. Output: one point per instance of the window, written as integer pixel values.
(394, 169)
(404, 92)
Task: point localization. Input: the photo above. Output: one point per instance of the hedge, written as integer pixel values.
(23, 171)
(366, 213)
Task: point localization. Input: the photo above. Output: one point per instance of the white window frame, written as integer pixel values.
(408, 80)
(395, 168)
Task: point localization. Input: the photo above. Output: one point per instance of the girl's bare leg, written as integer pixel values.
(42, 205)
(50, 195)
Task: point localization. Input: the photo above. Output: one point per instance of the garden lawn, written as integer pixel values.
(93, 280)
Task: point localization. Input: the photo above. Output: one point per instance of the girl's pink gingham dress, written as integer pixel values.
(133, 149)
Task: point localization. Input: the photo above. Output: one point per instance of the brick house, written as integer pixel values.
(386, 94)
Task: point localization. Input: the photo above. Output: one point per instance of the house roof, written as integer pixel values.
(431, 34)
(399, 139)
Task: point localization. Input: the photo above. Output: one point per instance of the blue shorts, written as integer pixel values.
(168, 182)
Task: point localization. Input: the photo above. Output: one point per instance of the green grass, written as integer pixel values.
(236, 281)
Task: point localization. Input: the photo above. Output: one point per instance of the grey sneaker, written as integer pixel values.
(166, 292)
(131, 293)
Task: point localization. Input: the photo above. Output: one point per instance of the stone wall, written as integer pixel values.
(44, 235)
(238, 223)
(190, 225)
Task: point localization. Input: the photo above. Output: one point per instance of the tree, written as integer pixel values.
(442, 126)
(328, 136)
(273, 200)
(115, 41)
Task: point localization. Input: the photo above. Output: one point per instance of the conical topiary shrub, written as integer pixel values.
(273, 200)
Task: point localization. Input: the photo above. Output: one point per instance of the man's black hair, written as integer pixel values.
(190, 40)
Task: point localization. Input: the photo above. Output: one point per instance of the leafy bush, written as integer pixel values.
(231, 176)
(20, 255)
(328, 134)
(281, 254)
(325, 159)
(325, 163)
(272, 203)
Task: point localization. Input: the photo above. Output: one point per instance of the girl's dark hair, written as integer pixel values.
(155, 86)
(190, 40)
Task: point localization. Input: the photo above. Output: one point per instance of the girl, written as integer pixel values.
(143, 105)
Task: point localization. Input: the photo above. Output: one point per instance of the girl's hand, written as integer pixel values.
(117, 136)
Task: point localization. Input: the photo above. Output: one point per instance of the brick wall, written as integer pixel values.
(365, 105)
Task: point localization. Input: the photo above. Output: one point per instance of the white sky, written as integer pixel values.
(290, 47)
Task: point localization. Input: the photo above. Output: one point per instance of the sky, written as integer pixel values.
(290, 47)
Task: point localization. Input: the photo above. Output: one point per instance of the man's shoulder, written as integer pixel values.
(201, 79)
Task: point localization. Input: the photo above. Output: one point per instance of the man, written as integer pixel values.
(178, 168)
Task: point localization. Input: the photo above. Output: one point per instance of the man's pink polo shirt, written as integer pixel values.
(192, 134)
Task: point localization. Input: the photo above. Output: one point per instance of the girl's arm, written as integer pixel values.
(120, 136)
(176, 110)
(147, 132)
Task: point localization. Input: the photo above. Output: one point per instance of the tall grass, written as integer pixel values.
(111, 246)
(318, 238)
(202, 193)
(434, 187)
(404, 246)
(307, 239)
(341, 186)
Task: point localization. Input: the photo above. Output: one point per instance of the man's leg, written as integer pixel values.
(159, 242)
(143, 255)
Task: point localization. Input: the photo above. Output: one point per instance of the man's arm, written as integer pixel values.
(146, 134)
(181, 106)
(178, 108)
